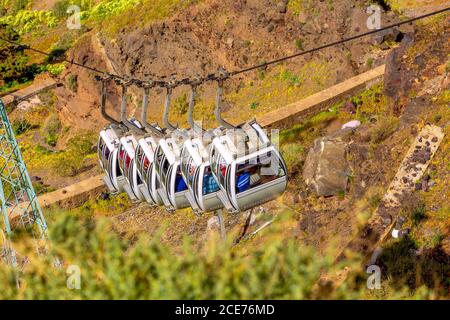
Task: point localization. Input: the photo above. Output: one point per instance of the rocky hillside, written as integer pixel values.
(196, 37)
(183, 37)
(233, 34)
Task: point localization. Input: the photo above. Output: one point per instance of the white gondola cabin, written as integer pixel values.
(135, 188)
(173, 189)
(247, 167)
(197, 173)
(108, 149)
(145, 156)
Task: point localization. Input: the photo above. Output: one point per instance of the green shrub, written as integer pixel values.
(54, 69)
(112, 268)
(292, 153)
(444, 97)
(14, 63)
(290, 77)
(71, 161)
(107, 207)
(384, 129)
(254, 105)
(374, 200)
(297, 6)
(21, 126)
(52, 140)
(107, 9)
(28, 20)
(51, 129)
(72, 82)
(299, 44)
(181, 105)
(418, 214)
(370, 102)
(401, 263)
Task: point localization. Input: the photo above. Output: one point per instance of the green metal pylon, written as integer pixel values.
(19, 204)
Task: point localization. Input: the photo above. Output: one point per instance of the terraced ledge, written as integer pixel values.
(29, 91)
(69, 197)
(292, 113)
(74, 194)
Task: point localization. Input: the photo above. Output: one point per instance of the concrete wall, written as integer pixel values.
(30, 91)
(293, 113)
(75, 194)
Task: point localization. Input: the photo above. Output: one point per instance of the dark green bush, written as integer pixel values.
(14, 63)
(149, 270)
(21, 126)
(112, 268)
(418, 214)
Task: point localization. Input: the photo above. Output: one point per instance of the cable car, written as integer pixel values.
(197, 173)
(145, 154)
(195, 165)
(135, 187)
(247, 167)
(173, 189)
(108, 147)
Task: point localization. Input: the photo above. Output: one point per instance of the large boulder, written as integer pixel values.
(326, 169)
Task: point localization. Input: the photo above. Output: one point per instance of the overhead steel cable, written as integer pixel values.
(27, 47)
(215, 77)
(332, 44)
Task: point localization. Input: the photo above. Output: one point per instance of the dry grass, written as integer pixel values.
(401, 5)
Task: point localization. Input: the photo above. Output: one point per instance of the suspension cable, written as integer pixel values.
(332, 44)
(216, 77)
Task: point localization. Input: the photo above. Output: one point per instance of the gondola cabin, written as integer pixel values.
(135, 187)
(196, 170)
(248, 168)
(173, 191)
(145, 155)
(108, 149)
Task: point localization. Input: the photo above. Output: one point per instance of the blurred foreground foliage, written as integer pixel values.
(112, 268)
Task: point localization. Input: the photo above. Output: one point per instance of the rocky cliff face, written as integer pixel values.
(230, 33)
